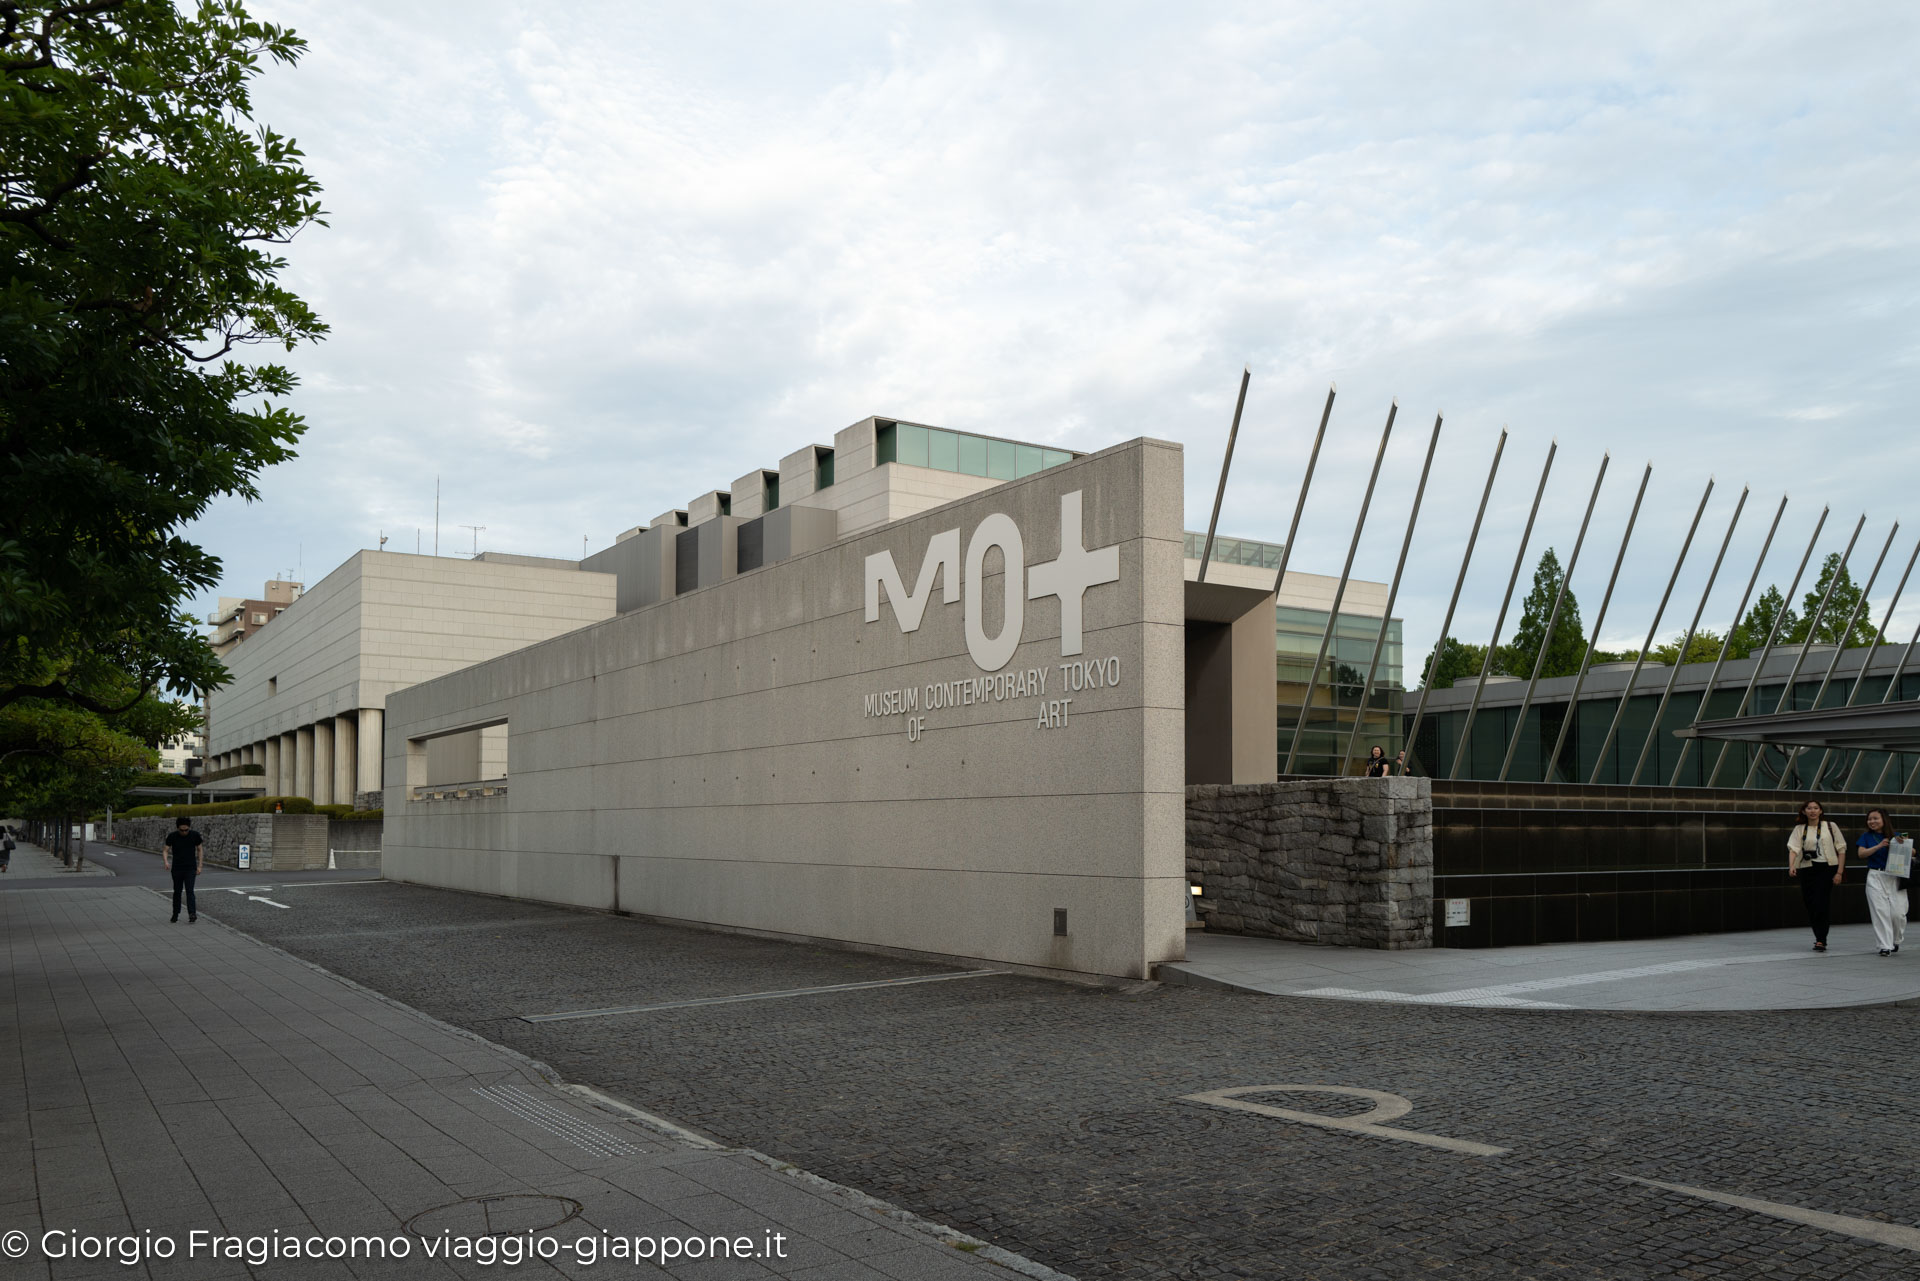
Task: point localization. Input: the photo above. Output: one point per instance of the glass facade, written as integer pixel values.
(957, 451)
(1703, 765)
(1237, 551)
(1335, 708)
(822, 469)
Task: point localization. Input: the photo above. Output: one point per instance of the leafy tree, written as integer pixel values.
(1459, 660)
(1834, 623)
(1703, 648)
(57, 759)
(1568, 644)
(140, 215)
(1753, 630)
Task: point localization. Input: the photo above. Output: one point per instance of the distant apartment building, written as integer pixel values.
(237, 619)
(183, 755)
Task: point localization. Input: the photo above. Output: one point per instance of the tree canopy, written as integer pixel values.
(1568, 644)
(141, 214)
(1838, 626)
(1459, 660)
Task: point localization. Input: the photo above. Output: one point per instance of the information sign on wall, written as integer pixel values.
(246, 856)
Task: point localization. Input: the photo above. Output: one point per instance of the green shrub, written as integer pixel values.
(258, 805)
(364, 816)
(333, 811)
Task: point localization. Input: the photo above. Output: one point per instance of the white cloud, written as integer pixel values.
(588, 261)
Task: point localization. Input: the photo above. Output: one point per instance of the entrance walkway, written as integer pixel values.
(166, 1079)
(1765, 970)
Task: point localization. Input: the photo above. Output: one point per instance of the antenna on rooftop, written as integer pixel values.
(477, 531)
(383, 540)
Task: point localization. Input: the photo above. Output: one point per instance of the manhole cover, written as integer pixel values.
(512, 1214)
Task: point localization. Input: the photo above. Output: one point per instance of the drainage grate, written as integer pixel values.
(589, 1138)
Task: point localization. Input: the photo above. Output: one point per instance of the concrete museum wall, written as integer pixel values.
(892, 740)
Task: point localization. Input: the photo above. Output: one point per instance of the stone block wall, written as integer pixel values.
(281, 842)
(1347, 862)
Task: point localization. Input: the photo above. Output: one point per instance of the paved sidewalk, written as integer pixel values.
(163, 1078)
(1763, 970)
(31, 863)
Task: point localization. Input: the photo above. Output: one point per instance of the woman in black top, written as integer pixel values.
(1377, 763)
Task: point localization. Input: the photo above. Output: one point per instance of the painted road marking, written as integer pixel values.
(1893, 1234)
(1386, 1107)
(753, 996)
(255, 898)
(1504, 994)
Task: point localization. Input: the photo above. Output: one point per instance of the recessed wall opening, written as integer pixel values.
(475, 756)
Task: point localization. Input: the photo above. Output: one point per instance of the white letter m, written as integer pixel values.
(909, 607)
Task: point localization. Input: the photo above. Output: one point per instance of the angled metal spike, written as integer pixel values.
(1393, 594)
(1760, 660)
(1340, 592)
(1486, 665)
(1446, 624)
(1599, 621)
(1226, 464)
(1300, 502)
(1799, 660)
(1553, 618)
(1686, 642)
(1626, 694)
(1893, 682)
(1833, 666)
(1739, 611)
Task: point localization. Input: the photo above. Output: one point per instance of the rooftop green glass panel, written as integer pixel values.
(1000, 461)
(1027, 459)
(973, 455)
(943, 450)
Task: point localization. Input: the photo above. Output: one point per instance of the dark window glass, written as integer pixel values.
(885, 441)
(823, 469)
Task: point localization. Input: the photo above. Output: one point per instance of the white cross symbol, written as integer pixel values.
(1069, 576)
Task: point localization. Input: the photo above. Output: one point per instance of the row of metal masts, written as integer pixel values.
(1566, 577)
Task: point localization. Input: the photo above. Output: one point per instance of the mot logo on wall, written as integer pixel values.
(1068, 577)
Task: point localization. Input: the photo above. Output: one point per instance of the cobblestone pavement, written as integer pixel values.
(1049, 1119)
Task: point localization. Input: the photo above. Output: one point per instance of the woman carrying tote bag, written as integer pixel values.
(1817, 857)
(1886, 892)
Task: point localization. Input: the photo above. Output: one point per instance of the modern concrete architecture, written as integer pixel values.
(307, 695)
(920, 690)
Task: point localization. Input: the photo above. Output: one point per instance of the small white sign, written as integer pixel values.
(246, 861)
(1459, 910)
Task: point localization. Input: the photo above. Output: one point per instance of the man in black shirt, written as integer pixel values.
(182, 854)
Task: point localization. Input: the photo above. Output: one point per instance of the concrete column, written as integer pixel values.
(345, 760)
(372, 736)
(323, 762)
(288, 757)
(272, 781)
(246, 754)
(303, 762)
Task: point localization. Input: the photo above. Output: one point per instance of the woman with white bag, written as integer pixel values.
(1886, 893)
(1817, 858)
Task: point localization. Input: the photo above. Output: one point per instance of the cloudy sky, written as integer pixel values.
(587, 261)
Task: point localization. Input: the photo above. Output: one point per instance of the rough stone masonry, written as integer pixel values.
(1347, 862)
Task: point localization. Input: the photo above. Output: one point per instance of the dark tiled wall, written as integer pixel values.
(1548, 863)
